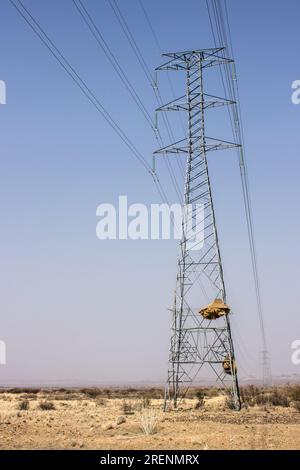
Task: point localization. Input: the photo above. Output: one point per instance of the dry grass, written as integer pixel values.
(148, 422)
(80, 421)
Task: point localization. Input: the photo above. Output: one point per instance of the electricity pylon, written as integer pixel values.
(266, 368)
(198, 341)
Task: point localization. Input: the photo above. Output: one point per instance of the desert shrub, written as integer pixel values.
(200, 395)
(294, 392)
(127, 407)
(208, 392)
(6, 398)
(127, 393)
(137, 406)
(67, 391)
(31, 396)
(142, 403)
(148, 422)
(63, 396)
(23, 405)
(46, 405)
(130, 391)
(155, 393)
(278, 398)
(297, 405)
(23, 390)
(212, 392)
(146, 402)
(139, 393)
(101, 401)
(230, 403)
(199, 404)
(252, 395)
(92, 392)
(274, 397)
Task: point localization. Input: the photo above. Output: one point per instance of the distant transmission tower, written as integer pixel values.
(200, 333)
(266, 368)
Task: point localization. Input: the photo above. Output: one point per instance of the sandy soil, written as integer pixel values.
(80, 422)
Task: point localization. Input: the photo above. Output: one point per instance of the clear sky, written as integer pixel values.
(77, 309)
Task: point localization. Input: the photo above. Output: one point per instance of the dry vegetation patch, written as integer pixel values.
(133, 419)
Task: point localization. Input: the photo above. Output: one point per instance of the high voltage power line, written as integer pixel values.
(93, 99)
(146, 70)
(221, 31)
(73, 74)
(133, 43)
(231, 92)
(69, 69)
(95, 31)
(158, 45)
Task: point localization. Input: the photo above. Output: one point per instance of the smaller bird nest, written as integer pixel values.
(215, 310)
(227, 367)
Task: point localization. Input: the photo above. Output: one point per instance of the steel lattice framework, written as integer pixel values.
(198, 343)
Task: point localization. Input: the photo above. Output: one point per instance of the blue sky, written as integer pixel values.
(74, 308)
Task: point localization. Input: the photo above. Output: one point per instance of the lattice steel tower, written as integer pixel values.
(200, 334)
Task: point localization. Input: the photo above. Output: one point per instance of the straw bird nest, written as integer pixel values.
(215, 310)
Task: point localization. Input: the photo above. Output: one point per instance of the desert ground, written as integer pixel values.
(133, 419)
